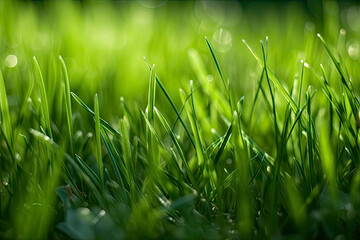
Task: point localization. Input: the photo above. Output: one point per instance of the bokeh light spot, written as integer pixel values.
(11, 61)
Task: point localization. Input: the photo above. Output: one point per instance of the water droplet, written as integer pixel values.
(78, 134)
(102, 213)
(5, 179)
(17, 157)
(11, 61)
(84, 211)
(222, 40)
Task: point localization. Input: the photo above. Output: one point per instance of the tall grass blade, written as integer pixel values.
(5, 114)
(178, 147)
(219, 70)
(193, 123)
(223, 144)
(44, 102)
(98, 142)
(102, 121)
(67, 103)
(162, 87)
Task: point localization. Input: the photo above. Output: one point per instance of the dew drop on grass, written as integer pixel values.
(5, 179)
(11, 61)
(84, 211)
(17, 157)
(342, 31)
(222, 40)
(102, 213)
(172, 220)
(79, 134)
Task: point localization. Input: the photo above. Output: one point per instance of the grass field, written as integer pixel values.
(179, 120)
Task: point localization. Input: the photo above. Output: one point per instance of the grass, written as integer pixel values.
(223, 139)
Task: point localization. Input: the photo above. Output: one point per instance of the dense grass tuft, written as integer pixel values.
(223, 139)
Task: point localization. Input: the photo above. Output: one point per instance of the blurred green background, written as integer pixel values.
(103, 44)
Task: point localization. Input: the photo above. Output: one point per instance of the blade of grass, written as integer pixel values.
(150, 114)
(178, 147)
(219, 71)
(68, 103)
(114, 162)
(192, 119)
(277, 132)
(44, 102)
(24, 106)
(5, 114)
(102, 121)
(162, 87)
(277, 83)
(98, 142)
(223, 144)
(126, 149)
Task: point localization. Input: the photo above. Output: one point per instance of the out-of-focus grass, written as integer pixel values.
(257, 144)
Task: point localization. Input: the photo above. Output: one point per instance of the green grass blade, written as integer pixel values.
(24, 106)
(223, 144)
(68, 103)
(44, 102)
(216, 63)
(277, 83)
(150, 114)
(193, 123)
(219, 70)
(98, 141)
(178, 147)
(114, 162)
(256, 96)
(102, 121)
(126, 149)
(277, 132)
(336, 63)
(151, 95)
(163, 89)
(5, 114)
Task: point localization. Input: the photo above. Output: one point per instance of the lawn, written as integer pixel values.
(179, 120)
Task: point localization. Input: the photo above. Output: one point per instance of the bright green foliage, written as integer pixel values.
(263, 143)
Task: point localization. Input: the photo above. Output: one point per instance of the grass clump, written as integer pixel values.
(270, 151)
